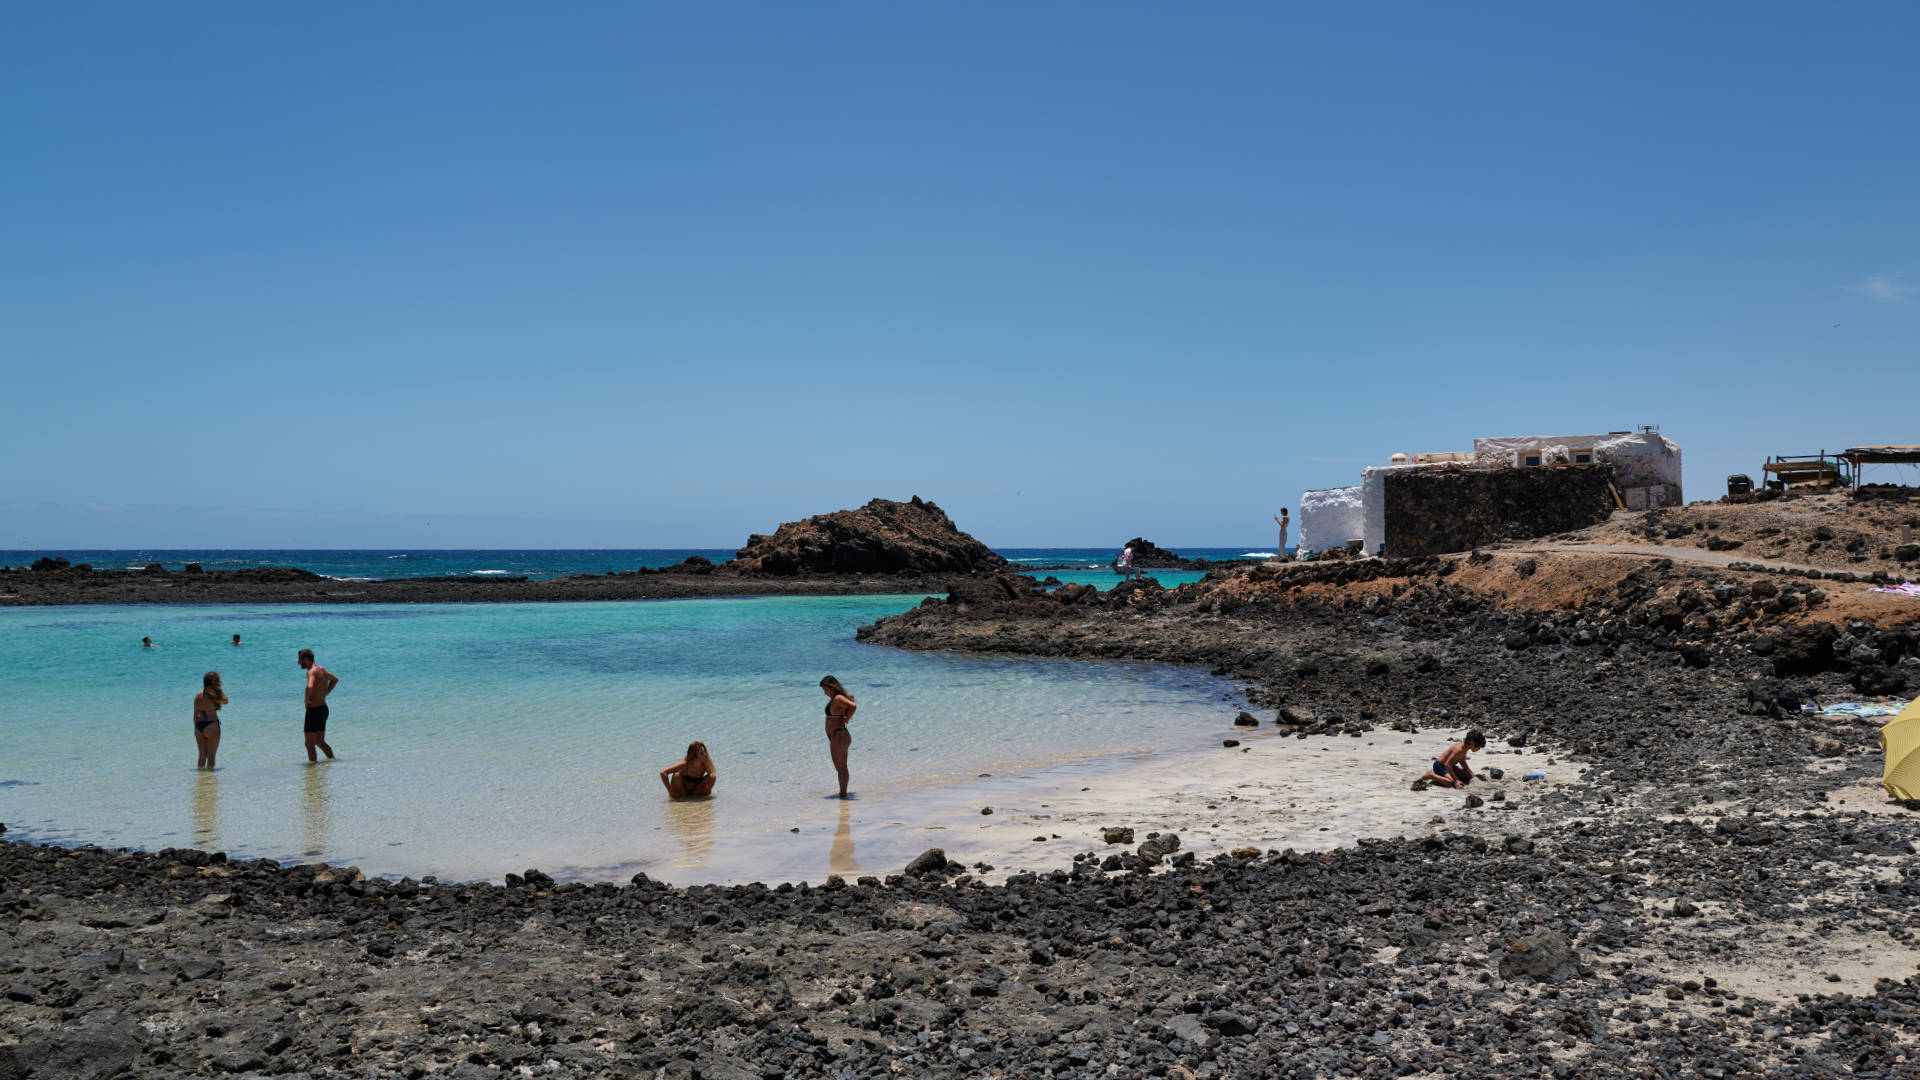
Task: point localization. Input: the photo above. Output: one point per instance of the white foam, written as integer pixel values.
(492, 571)
(1258, 555)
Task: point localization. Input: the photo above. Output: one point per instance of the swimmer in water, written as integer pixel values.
(693, 777)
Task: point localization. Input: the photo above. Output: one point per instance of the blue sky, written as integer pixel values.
(621, 275)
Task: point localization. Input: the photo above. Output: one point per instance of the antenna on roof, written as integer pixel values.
(1650, 429)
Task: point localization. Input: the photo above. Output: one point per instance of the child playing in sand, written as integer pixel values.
(1450, 769)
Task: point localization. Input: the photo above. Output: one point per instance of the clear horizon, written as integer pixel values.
(6, 552)
(488, 278)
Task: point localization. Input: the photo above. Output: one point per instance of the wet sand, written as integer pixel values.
(1273, 792)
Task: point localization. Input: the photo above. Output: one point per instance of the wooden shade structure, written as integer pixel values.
(1879, 455)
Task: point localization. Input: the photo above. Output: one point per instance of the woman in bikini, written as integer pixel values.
(206, 718)
(840, 708)
(691, 778)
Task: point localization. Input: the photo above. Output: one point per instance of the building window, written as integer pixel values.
(1532, 459)
(1583, 459)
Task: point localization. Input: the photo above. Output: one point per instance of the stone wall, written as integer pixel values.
(1431, 511)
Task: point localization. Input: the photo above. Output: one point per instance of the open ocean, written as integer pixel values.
(478, 739)
(373, 564)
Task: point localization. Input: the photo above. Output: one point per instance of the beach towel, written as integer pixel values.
(1862, 709)
(1905, 588)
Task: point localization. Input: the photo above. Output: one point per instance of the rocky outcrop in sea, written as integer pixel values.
(882, 547)
(1148, 555)
(882, 537)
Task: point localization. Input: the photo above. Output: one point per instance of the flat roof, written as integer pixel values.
(1884, 455)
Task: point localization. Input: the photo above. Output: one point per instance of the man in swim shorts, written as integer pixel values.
(320, 683)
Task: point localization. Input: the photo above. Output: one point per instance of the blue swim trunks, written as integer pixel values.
(1440, 770)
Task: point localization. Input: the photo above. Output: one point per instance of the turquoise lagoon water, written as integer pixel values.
(478, 739)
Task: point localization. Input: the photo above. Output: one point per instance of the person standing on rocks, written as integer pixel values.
(840, 708)
(1125, 565)
(1280, 551)
(320, 683)
(206, 718)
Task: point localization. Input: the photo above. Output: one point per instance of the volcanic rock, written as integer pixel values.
(1803, 650)
(1545, 956)
(1149, 556)
(929, 863)
(98, 1046)
(882, 537)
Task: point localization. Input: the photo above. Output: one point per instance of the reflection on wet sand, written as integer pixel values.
(206, 810)
(316, 807)
(840, 859)
(691, 822)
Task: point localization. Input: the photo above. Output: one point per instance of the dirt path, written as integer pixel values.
(1661, 551)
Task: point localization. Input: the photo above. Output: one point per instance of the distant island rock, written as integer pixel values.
(1150, 556)
(883, 547)
(882, 537)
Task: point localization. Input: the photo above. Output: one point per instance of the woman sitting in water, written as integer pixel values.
(840, 708)
(206, 718)
(693, 777)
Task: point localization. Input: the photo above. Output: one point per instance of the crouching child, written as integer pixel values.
(1450, 769)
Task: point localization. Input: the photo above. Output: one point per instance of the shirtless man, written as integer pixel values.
(320, 683)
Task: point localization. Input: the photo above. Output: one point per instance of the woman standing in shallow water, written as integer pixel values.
(840, 708)
(206, 718)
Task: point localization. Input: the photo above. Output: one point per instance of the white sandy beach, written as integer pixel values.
(1272, 792)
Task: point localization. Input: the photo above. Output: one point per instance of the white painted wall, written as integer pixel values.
(1639, 459)
(1373, 496)
(1330, 517)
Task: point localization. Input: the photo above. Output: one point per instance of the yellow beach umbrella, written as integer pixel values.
(1901, 740)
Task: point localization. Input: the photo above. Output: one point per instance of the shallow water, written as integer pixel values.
(477, 739)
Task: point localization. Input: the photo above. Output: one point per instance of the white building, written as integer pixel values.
(1646, 465)
(1646, 469)
(1330, 517)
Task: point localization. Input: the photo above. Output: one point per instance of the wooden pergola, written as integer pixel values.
(1785, 471)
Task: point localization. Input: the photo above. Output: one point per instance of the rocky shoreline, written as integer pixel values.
(1728, 893)
(277, 585)
(1636, 940)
